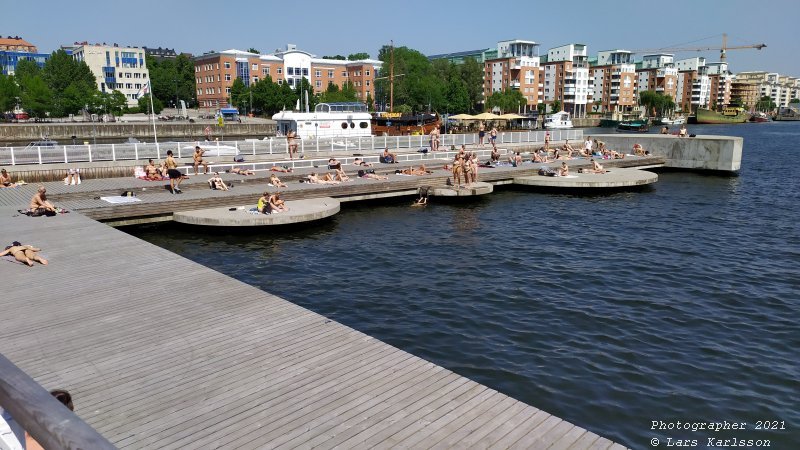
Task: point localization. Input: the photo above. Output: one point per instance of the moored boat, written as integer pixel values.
(398, 124)
(729, 114)
(329, 120)
(759, 117)
(633, 126)
(787, 114)
(559, 120)
(677, 120)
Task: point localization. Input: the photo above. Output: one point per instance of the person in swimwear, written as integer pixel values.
(458, 170)
(371, 175)
(281, 169)
(175, 175)
(198, 159)
(26, 254)
(596, 167)
(39, 202)
(5, 180)
(240, 171)
(275, 181)
(361, 162)
(563, 171)
(217, 182)
(263, 201)
(275, 204)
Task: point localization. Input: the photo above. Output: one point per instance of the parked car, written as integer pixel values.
(22, 116)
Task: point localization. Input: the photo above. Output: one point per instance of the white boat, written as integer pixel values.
(329, 120)
(558, 120)
(678, 120)
(213, 150)
(343, 144)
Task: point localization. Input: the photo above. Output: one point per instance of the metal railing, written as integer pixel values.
(66, 154)
(46, 419)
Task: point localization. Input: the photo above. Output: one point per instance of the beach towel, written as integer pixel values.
(120, 199)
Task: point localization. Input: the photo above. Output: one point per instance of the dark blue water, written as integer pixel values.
(681, 302)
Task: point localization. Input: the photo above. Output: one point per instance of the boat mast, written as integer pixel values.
(391, 77)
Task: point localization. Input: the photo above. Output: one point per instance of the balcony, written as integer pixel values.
(514, 84)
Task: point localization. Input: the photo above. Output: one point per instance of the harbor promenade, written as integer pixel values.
(161, 352)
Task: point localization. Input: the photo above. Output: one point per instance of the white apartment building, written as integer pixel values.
(780, 88)
(116, 68)
(694, 84)
(566, 78)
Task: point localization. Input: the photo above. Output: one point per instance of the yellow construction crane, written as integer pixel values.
(722, 50)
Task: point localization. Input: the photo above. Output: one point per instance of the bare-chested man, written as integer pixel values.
(291, 145)
(198, 159)
(26, 254)
(40, 204)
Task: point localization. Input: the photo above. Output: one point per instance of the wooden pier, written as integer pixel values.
(161, 352)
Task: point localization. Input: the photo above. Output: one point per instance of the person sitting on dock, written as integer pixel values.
(263, 201)
(5, 180)
(665, 130)
(240, 171)
(638, 150)
(198, 159)
(40, 206)
(371, 175)
(596, 167)
(683, 132)
(563, 171)
(275, 204)
(26, 254)
(340, 175)
(387, 157)
(175, 175)
(151, 172)
(275, 181)
(334, 163)
(284, 169)
(495, 154)
(216, 182)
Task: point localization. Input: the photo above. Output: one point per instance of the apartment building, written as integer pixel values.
(566, 78)
(657, 72)
(694, 84)
(115, 68)
(15, 49)
(615, 83)
(517, 66)
(746, 93)
(720, 80)
(215, 73)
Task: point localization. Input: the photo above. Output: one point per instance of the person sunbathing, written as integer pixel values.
(638, 150)
(412, 171)
(568, 148)
(361, 162)
(334, 163)
(5, 180)
(275, 204)
(340, 175)
(240, 171)
(275, 181)
(326, 179)
(563, 171)
(371, 175)
(152, 172)
(26, 254)
(596, 167)
(283, 169)
(216, 182)
(40, 205)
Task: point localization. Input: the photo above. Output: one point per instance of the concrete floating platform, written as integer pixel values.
(477, 188)
(614, 178)
(299, 211)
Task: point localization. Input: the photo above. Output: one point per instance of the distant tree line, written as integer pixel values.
(63, 87)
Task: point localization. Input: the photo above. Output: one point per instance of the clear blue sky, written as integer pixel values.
(327, 27)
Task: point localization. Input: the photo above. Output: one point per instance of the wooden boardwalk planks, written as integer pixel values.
(160, 352)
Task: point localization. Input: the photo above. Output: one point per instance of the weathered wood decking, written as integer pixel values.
(160, 352)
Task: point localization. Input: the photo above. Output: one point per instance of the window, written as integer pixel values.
(344, 125)
(227, 65)
(330, 73)
(291, 81)
(318, 84)
(219, 90)
(227, 90)
(255, 67)
(280, 70)
(366, 72)
(367, 83)
(218, 77)
(297, 71)
(128, 75)
(227, 77)
(305, 71)
(265, 71)
(255, 79)
(280, 81)
(290, 71)
(344, 74)
(209, 66)
(352, 125)
(318, 73)
(363, 125)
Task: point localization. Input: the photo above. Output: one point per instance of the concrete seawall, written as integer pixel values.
(718, 153)
(184, 131)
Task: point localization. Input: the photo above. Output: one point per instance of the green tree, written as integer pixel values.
(794, 100)
(144, 104)
(765, 104)
(9, 93)
(420, 87)
(37, 98)
(25, 70)
(305, 89)
(457, 96)
(339, 57)
(542, 108)
(555, 106)
(333, 94)
(510, 100)
(265, 96)
(239, 93)
(172, 79)
(656, 103)
(370, 102)
(472, 75)
(252, 50)
(71, 82)
(117, 103)
(357, 56)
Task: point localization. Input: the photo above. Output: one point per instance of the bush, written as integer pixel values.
(132, 110)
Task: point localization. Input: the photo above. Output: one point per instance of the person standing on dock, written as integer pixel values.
(435, 138)
(175, 175)
(481, 133)
(290, 144)
(493, 135)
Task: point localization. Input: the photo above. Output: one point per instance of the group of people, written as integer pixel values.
(465, 165)
(682, 132)
(482, 135)
(271, 203)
